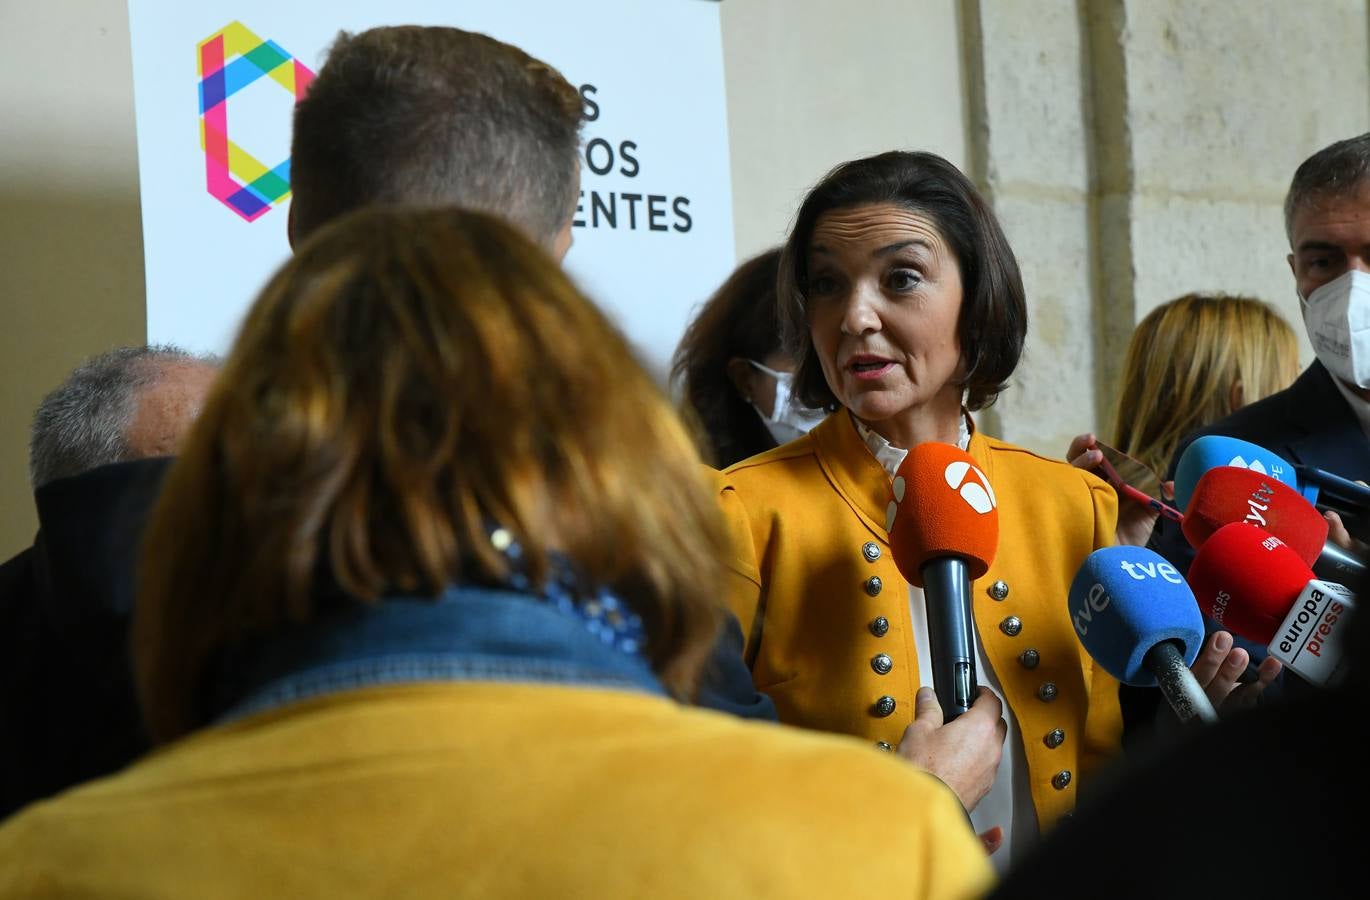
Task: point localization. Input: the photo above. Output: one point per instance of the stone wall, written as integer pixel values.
(812, 83)
(1137, 150)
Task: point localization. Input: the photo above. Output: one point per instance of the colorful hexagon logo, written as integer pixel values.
(231, 59)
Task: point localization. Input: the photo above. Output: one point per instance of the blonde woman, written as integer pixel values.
(1191, 361)
(414, 606)
(1194, 360)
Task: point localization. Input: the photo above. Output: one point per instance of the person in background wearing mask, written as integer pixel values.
(1323, 418)
(733, 375)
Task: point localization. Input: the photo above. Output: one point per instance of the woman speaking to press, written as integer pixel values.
(904, 308)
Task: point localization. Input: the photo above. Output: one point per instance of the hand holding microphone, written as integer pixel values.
(1138, 620)
(1340, 535)
(964, 754)
(1252, 583)
(944, 530)
(1226, 494)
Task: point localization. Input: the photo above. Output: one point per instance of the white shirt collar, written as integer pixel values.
(891, 457)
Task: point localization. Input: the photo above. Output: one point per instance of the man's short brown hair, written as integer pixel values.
(433, 116)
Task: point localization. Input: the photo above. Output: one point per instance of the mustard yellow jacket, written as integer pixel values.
(487, 789)
(812, 573)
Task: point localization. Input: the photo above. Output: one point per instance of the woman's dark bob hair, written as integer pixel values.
(993, 321)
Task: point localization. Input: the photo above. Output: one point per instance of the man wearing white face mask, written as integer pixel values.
(1323, 419)
(1337, 314)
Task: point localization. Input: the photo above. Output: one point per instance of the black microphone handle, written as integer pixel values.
(951, 636)
(1336, 564)
(1177, 683)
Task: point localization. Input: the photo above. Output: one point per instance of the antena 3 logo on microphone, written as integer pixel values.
(975, 491)
(969, 483)
(942, 506)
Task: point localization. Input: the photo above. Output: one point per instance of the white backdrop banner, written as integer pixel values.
(215, 83)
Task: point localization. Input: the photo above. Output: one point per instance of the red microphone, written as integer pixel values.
(1229, 494)
(944, 529)
(1245, 579)
(1254, 585)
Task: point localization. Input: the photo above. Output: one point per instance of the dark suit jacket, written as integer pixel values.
(68, 711)
(1308, 423)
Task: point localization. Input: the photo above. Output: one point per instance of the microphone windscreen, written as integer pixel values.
(1215, 450)
(1245, 579)
(1124, 601)
(943, 506)
(1227, 494)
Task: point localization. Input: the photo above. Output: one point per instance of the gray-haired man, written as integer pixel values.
(128, 403)
(96, 457)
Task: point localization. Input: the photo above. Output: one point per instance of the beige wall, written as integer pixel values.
(71, 252)
(812, 83)
(1030, 154)
(1225, 105)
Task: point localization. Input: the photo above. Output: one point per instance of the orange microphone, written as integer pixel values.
(943, 523)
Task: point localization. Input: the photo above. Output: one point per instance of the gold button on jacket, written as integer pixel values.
(800, 516)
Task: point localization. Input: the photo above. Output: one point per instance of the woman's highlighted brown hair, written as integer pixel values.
(408, 378)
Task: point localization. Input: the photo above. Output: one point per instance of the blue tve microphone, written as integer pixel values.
(1215, 450)
(1136, 616)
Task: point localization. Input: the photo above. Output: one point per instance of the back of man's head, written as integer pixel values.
(433, 116)
(128, 403)
(1336, 170)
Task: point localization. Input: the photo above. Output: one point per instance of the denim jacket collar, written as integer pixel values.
(465, 634)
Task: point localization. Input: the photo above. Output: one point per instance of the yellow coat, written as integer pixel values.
(812, 571)
(485, 789)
